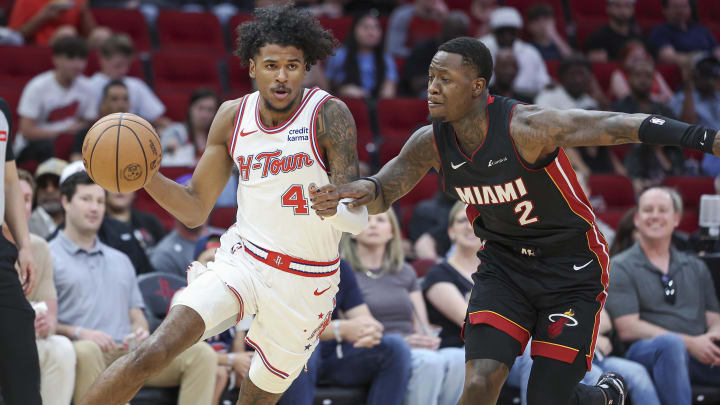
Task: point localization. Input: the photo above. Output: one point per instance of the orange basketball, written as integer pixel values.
(121, 152)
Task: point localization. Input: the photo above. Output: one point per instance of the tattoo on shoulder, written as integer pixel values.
(337, 136)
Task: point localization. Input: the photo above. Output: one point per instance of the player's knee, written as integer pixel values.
(484, 378)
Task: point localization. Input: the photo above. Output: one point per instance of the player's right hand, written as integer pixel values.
(102, 339)
(361, 191)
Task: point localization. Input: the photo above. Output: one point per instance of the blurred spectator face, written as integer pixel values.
(27, 194)
(378, 232)
(540, 21)
(506, 36)
(116, 100)
(278, 72)
(120, 201)
(48, 194)
(634, 53)
(506, 67)
(203, 110)
(461, 232)
(68, 68)
(640, 79)
(85, 211)
(707, 77)
(116, 66)
(431, 9)
(576, 80)
(656, 217)
(368, 32)
(677, 12)
(621, 11)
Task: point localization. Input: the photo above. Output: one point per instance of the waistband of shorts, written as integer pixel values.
(567, 247)
(290, 264)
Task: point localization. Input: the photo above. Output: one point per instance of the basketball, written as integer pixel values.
(121, 152)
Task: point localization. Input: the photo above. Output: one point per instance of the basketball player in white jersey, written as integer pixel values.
(280, 260)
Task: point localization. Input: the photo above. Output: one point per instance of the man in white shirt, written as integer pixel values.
(575, 77)
(54, 102)
(116, 56)
(506, 23)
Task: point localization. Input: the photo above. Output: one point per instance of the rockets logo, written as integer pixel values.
(559, 321)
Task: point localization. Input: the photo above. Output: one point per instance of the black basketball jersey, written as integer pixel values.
(510, 201)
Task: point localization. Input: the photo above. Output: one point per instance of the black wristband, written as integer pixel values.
(659, 130)
(375, 182)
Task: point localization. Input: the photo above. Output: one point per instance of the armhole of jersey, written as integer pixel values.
(313, 139)
(537, 166)
(236, 127)
(441, 172)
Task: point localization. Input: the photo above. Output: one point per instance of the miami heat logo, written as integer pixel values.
(559, 321)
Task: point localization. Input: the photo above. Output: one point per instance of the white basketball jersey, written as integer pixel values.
(276, 165)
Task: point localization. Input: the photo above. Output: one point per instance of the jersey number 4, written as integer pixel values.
(294, 197)
(524, 208)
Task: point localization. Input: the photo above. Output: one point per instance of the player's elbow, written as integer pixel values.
(194, 221)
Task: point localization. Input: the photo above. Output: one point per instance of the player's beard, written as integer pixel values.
(282, 109)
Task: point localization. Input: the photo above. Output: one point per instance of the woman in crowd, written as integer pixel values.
(447, 285)
(184, 142)
(391, 290)
(361, 68)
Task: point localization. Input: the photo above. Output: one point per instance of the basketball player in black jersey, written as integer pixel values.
(544, 269)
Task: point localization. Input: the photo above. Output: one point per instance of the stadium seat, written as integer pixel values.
(236, 20)
(552, 67)
(650, 10)
(192, 32)
(399, 65)
(176, 104)
(223, 217)
(708, 11)
(157, 290)
(422, 266)
(611, 217)
(63, 145)
(339, 26)
(585, 26)
(621, 150)
(421, 29)
(183, 71)
(238, 78)
(688, 221)
(463, 5)
(398, 118)
(584, 8)
(129, 21)
(671, 74)
(424, 190)
(617, 191)
(691, 188)
(365, 143)
(19, 64)
(93, 65)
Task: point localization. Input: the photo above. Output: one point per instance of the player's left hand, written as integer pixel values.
(27, 269)
(324, 199)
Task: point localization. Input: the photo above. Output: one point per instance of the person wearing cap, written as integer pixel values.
(675, 40)
(608, 41)
(699, 101)
(48, 213)
(506, 24)
(100, 306)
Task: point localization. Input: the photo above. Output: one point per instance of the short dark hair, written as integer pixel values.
(117, 44)
(572, 61)
(69, 186)
(284, 25)
(539, 11)
(473, 52)
(112, 83)
(70, 46)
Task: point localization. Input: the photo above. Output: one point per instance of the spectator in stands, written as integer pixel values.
(699, 101)
(506, 70)
(354, 351)
(597, 203)
(446, 286)
(56, 353)
(575, 76)
(640, 80)
(55, 102)
(640, 386)
(99, 302)
(116, 55)
(415, 72)
(391, 290)
(506, 24)
(41, 22)
(48, 213)
(361, 68)
(480, 11)
(115, 99)
(175, 250)
(675, 40)
(664, 304)
(649, 165)
(633, 54)
(398, 27)
(607, 43)
(543, 33)
(146, 228)
(183, 143)
(625, 235)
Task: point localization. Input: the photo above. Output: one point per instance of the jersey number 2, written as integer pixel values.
(295, 197)
(525, 207)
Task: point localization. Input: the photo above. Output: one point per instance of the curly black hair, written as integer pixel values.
(284, 25)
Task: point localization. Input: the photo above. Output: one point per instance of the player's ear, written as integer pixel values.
(479, 84)
(251, 68)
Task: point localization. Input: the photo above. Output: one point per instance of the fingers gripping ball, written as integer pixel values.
(121, 152)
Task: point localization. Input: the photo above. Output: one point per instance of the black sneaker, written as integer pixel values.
(614, 387)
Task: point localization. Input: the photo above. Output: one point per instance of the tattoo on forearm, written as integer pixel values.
(337, 136)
